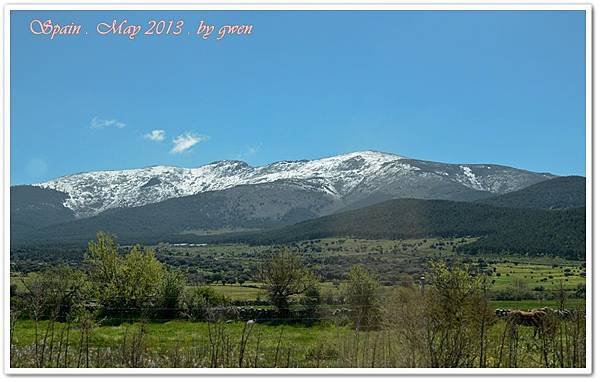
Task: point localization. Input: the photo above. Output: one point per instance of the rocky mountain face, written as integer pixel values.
(344, 181)
(229, 197)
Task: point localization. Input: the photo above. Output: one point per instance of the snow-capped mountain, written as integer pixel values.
(348, 178)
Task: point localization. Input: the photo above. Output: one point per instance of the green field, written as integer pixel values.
(513, 281)
(164, 335)
(241, 293)
(251, 291)
(201, 344)
(221, 266)
(539, 275)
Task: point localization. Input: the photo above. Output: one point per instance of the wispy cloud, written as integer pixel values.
(250, 152)
(184, 142)
(156, 135)
(99, 123)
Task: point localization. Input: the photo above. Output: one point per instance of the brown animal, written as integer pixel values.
(536, 318)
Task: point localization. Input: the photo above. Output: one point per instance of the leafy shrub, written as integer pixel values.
(172, 288)
(361, 295)
(198, 303)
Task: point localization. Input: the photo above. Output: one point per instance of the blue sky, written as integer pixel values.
(461, 87)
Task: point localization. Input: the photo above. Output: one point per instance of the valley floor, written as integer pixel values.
(325, 339)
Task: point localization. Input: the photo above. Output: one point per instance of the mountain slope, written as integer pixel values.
(558, 193)
(351, 178)
(285, 212)
(520, 230)
(247, 207)
(34, 207)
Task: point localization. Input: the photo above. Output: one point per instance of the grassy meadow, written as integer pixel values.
(324, 331)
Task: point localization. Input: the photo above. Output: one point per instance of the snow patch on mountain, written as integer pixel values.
(338, 176)
(471, 179)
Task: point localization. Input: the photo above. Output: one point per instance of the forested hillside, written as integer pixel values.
(558, 193)
(241, 208)
(33, 207)
(502, 229)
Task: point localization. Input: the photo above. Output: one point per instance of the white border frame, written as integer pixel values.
(291, 6)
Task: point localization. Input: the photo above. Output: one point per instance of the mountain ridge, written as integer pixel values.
(350, 177)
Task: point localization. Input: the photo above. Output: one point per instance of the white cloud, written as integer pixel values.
(156, 135)
(185, 142)
(98, 123)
